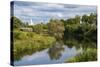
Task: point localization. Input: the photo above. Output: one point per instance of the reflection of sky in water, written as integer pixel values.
(42, 57)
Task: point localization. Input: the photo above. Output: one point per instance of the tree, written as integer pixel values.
(38, 28)
(75, 20)
(92, 19)
(56, 28)
(17, 23)
(85, 18)
(26, 24)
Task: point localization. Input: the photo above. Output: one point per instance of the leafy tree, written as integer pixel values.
(77, 19)
(17, 23)
(70, 21)
(38, 28)
(92, 19)
(85, 18)
(56, 28)
(26, 24)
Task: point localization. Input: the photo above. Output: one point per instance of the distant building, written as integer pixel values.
(31, 22)
(80, 20)
(26, 29)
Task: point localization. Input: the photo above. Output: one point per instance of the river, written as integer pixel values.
(58, 53)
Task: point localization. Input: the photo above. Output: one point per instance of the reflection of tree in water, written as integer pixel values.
(55, 52)
(19, 55)
(88, 43)
(77, 42)
(72, 42)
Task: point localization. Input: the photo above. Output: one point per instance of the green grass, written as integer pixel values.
(29, 42)
(88, 55)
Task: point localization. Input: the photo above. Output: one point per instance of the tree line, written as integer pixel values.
(80, 26)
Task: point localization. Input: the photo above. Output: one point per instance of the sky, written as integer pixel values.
(43, 12)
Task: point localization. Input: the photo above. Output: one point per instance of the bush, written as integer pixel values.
(18, 35)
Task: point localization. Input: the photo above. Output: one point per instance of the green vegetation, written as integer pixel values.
(25, 42)
(17, 23)
(38, 28)
(87, 55)
(31, 38)
(56, 28)
(83, 29)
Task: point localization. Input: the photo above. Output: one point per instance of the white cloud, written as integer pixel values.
(27, 10)
(55, 5)
(47, 11)
(60, 15)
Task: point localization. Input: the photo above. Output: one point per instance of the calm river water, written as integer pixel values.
(55, 54)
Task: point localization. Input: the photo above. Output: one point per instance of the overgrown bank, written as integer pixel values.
(27, 43)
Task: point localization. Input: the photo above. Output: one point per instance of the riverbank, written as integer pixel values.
(29, 42)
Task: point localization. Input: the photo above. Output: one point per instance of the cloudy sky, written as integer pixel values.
(43, 12)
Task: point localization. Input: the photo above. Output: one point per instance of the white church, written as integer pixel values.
(31, 22)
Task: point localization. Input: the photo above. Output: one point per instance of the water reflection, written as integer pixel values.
(77, 42)
(55, 52)
(61, 50)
